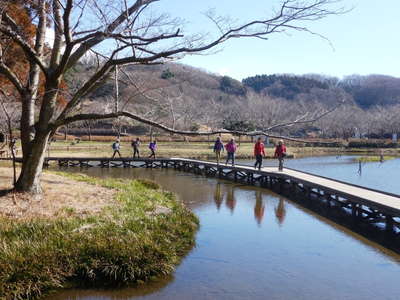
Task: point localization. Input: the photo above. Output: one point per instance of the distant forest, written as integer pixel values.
(184, 97)
(366, 91)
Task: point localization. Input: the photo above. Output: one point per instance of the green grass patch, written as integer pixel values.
(374, 158)
(143, 237)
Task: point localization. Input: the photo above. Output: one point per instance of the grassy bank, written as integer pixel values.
(144, 235)
(374, 158)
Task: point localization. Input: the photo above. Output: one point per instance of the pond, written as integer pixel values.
(255, 244)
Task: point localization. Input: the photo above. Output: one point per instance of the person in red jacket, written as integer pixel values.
(280, 153)
(259, 153)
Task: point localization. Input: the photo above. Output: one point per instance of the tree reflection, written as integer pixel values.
(230, 199)
(218, 196)
(259, 208)
(280, 211)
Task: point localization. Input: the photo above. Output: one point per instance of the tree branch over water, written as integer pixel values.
(94, 116)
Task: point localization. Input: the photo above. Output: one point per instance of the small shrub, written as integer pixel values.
(371, 144)
(195, 127)
(149, 184)
(167, 74)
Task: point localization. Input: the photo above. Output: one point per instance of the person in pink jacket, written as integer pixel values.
(231, 148)
(280, 154)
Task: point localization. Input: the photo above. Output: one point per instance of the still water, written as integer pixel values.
(254, 244)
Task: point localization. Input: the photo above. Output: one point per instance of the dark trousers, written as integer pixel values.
(136, 151)
(259, 160)
(231, 156)
(153, 154)
(115, 152)
(280, 167)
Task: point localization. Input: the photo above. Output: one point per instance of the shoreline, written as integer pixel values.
(143, 233)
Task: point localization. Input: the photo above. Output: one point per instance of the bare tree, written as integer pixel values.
(117, 33)
(9, 115)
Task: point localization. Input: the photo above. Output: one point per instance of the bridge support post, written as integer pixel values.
(280, 182)
(250, 178)
(293, 186)
(328, 200)
(220, 172)
(269, 182)
(308, 192)
(389, 223)
(356, 211)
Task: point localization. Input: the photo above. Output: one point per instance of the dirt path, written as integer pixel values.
(61, 197)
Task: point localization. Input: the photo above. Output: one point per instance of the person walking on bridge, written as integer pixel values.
(259, 152)
(218, 147)
(230, 150)
(116, 147)
(153, 148)
(135, 145)
(280, 153)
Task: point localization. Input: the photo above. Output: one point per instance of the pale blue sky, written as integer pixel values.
(366, 40)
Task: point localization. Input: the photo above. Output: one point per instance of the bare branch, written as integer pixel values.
(82, 117)
(12, 77)
(97, 38)
(302, 121)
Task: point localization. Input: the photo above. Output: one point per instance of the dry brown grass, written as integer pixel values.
(61, 197)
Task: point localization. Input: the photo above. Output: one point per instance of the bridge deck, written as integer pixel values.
(372, 198)
(367, 195)
(386, 203)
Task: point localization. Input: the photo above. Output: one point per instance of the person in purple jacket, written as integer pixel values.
(153, 148)
(218, 147)
(230, 150)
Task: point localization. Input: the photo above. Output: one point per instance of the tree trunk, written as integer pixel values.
(29, 179)
(27, 121)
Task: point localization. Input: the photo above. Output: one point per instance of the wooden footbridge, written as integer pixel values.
(364, 204)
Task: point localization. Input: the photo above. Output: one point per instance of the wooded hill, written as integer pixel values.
(185, 97)
(365, 91)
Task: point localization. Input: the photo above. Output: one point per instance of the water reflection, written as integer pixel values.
(359, 168)
(142, 290)
(259, 208)
(230, 199)
(231, 202)
(280, 211)
(218, 196)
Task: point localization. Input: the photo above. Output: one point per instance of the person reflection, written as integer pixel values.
(230, 199)
(280, 212)
(259, 208)
(218, 196)
(359, 168)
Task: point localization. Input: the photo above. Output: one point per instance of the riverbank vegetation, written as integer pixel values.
(374, 158)
(195, 149)
(141, 234)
